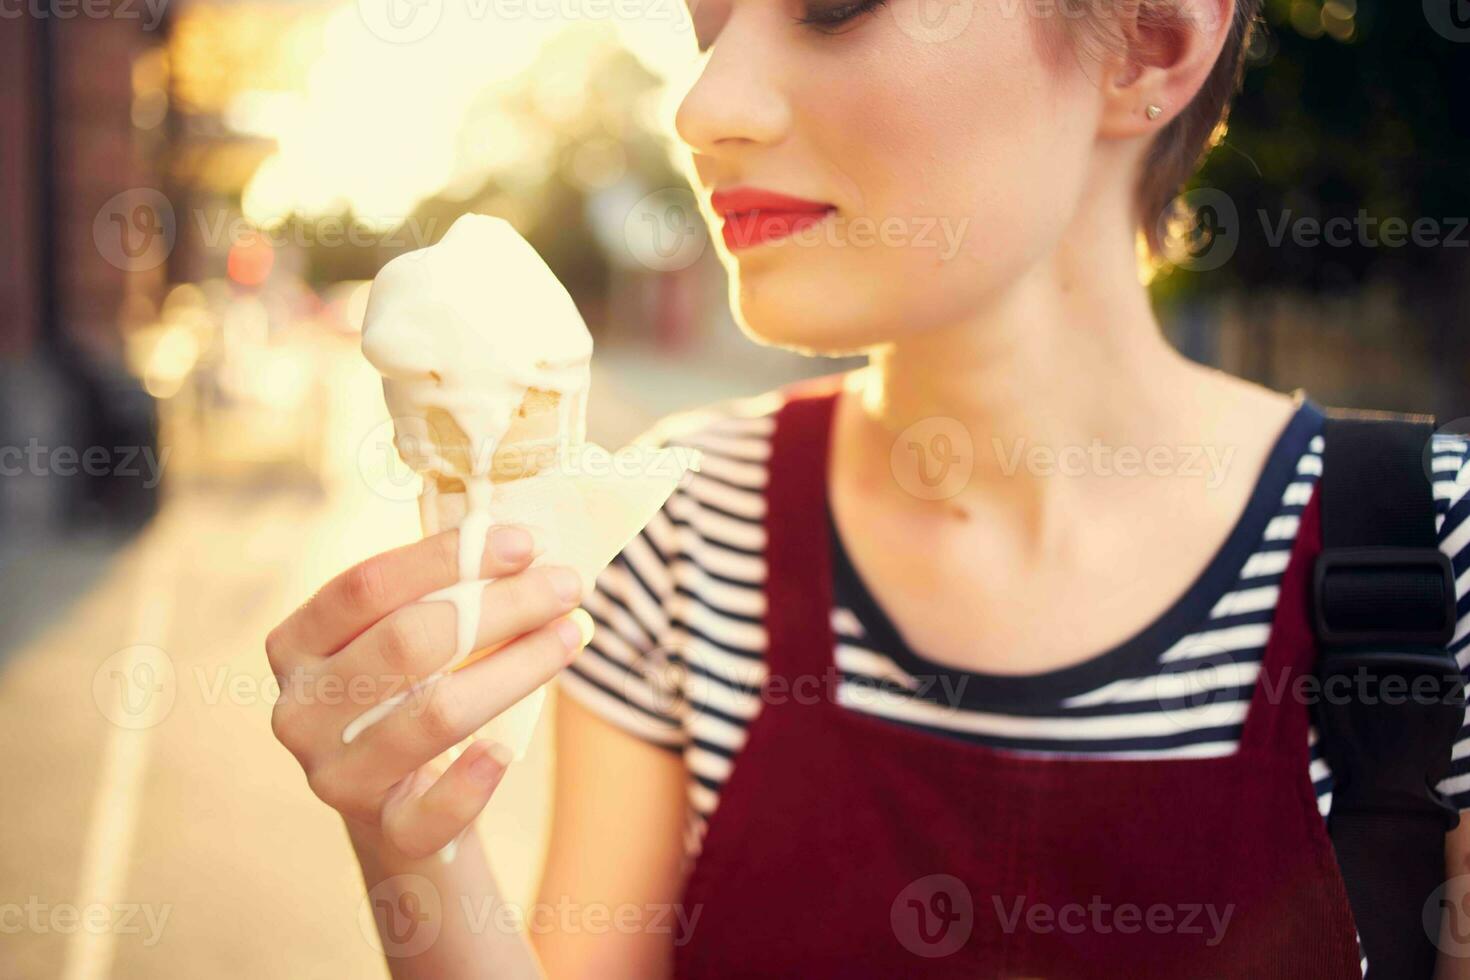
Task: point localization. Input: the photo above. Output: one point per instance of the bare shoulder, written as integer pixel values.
(1248, 406)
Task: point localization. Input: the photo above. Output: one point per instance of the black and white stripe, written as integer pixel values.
(678, 655)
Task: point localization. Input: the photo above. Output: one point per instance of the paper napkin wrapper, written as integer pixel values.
(582, 514)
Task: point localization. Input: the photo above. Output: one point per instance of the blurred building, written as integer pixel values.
(73, 169)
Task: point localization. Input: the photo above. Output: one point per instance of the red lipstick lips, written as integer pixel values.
(753, 216)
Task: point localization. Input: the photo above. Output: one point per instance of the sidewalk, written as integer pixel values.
(195, 839)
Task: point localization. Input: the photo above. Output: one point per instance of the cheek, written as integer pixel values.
(981, 127)
(970, 153)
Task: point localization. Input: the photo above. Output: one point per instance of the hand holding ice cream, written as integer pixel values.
(485, 363)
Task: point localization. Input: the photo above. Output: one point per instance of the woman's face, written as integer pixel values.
(951, 144)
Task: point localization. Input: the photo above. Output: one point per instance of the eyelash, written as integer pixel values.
(837, 16)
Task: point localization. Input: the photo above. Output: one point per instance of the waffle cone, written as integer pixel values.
(529, 446)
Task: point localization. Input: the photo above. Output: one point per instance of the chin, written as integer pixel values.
(807, 317)
(821, 334)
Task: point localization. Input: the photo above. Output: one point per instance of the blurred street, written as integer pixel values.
(142, 773)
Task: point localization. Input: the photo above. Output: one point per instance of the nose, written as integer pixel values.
(738, 100)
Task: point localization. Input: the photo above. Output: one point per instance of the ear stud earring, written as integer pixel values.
(1154, 111)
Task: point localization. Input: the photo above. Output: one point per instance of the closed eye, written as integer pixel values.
(829, 17)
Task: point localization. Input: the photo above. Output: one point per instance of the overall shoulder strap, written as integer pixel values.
(1391, 699)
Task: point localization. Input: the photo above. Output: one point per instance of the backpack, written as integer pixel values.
(1392, 698)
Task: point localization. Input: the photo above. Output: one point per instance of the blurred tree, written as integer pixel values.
(1352, 112)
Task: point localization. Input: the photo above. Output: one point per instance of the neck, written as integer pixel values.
(1070, 359)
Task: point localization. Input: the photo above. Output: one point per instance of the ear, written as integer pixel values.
(1168, 49)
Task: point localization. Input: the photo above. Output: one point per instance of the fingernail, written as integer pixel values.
(510, 543)
(576, 630)
(488, 767)
(566, 583)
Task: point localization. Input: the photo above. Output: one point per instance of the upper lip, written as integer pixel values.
(738, 199)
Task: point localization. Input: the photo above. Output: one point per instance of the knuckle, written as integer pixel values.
(531, 592)
(439, 717)
(365, 586)
(404, 639)
(275, 648)
(551, 648)
(519, 589)
(286, 725)
(546, 592)
(455, 811)
(543, 652)
(447, 551)
(329, 788)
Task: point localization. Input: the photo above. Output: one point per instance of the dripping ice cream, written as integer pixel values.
(486, 368)
(482, 351)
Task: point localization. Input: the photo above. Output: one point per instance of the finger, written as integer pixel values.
(361, 596)
(420, 824)
(456, 705)
(419, 639)
(380, 671)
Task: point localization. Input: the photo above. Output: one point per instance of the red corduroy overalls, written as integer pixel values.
(848, 846)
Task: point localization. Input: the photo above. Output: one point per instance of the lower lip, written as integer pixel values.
(747, 229)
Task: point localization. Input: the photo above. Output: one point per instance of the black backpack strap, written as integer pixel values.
(1392, 698)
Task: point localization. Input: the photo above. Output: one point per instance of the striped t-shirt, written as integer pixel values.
(678, 657)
